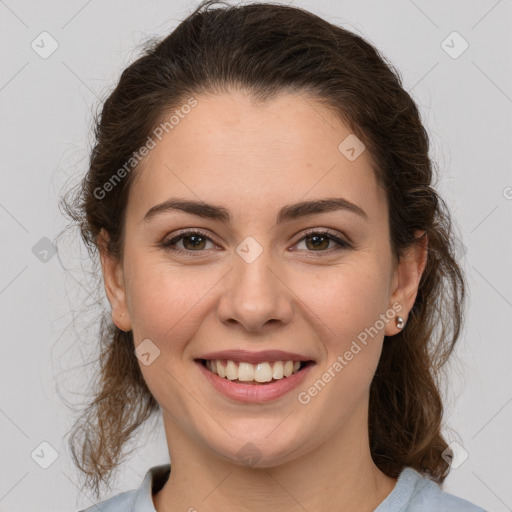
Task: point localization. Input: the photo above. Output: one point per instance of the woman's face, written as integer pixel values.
(258, 281)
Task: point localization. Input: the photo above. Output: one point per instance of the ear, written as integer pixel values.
(113, 278)
(406, 279)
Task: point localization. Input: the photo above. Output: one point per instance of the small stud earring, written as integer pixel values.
(399, 322)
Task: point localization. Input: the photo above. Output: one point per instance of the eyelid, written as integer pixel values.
(343, 241)
(184, 232)
(340, 238)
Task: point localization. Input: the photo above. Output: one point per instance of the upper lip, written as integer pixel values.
(255, 357)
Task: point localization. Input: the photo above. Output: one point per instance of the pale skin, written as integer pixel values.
(253, 159)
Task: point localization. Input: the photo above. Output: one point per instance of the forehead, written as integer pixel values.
(254, 157)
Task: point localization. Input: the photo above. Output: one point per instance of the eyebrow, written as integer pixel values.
(286, 213)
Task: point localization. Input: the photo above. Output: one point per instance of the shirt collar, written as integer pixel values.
(157, 476)
(153, 481)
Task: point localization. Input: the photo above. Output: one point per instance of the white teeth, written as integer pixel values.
(231, 370)
(221, 370)
(277, 371)
(247, 372)
(263, 372)
(288, 368)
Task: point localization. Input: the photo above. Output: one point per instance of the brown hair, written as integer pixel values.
(268, 49)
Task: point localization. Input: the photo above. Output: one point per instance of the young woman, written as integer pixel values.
(281, 274)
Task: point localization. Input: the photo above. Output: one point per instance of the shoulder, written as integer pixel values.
(138, 500)
(121, 503)
(429, 494)
(416, 493)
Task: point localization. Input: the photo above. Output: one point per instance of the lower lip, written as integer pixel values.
(254, 393)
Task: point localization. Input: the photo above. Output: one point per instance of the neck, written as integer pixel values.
(338, 475)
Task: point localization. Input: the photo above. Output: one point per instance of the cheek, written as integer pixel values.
(166, 301)
(348, 307)
(167, 307)
(345, 300)
(348, 322)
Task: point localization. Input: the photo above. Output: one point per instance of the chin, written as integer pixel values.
(260, 452)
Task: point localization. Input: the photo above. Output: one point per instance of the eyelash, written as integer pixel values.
(167, 245)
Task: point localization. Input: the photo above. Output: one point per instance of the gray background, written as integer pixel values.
(46, 106)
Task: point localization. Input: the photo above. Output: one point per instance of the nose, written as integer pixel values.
(255, 294)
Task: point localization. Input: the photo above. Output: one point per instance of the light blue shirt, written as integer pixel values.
(412, 493)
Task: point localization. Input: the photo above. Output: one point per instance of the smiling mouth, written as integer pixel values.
(265, 372)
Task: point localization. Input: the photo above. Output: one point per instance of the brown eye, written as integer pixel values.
(318, 241)
(192, 241)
